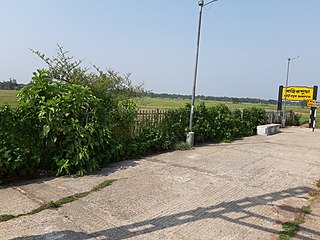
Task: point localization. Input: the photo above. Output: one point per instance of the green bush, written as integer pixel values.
(218, 123)
(20, 150)
(252, 117)
(294, 120)
(65, 128)
(57, 126)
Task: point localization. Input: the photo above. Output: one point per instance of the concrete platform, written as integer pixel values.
(219, 191)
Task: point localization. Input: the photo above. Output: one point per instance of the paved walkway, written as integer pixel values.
(241, 190)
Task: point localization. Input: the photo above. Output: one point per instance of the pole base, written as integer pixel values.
(190, 139)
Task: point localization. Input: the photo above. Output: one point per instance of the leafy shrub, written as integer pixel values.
(218, 123)
(252, 117)
(20, 151)
(65, 128)
(57, 126)
(294, 120)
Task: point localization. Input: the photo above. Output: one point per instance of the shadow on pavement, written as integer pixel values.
(219, 211)
(112, 168)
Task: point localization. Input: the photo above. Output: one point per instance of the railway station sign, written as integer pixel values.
(297, 93)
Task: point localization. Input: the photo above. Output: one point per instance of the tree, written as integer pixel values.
(12, 84)
(109, 85)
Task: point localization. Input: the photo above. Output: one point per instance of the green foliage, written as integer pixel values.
(73, 124)
(290, 229)
(12, 84)
(57, 126)
(65, 128)
(252, 117)
(101, 186)
(306, 209)
(218, 123)
(48, 205)
(6, 217)
(108, 85)
(72, 120)
(20, 150)
(318, 184)
(295, 120)
(204, 122)
(213, 124)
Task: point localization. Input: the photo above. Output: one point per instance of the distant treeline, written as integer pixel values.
(202, 97)
(12, 84)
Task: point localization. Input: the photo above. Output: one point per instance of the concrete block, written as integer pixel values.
(268, 129)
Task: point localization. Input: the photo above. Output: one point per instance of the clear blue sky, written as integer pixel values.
(244, 43)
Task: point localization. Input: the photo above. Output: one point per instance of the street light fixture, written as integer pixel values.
(283, 122)
(190, 136)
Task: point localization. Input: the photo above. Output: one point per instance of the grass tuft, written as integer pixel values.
(306, 209)
(102, 185)
(45, 206)
(70, 199)
(182, 146)
(6, 217)
(290, 229)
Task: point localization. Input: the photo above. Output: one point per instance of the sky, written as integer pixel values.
(244, 44)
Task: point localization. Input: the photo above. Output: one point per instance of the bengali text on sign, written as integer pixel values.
(298, 93)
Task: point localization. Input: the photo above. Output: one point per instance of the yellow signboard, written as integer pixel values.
(313, 103)
(297, 93)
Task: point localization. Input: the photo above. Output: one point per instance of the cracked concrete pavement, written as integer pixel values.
(239, 190)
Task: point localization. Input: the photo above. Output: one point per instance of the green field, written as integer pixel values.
(166, 103)
(9, 97)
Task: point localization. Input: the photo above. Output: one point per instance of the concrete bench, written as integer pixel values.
(268, 129)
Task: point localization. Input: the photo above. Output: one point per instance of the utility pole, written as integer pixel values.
(190, 135)
(283, 122)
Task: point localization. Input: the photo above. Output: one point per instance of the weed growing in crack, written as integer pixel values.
(290, 229)
(306, 209)
(6, 217)
(59, 203)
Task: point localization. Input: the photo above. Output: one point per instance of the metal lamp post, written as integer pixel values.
(283, 122)
(190, 135)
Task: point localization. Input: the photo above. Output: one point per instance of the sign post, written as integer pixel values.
(313, 109)
(300, 93)
(279, 108)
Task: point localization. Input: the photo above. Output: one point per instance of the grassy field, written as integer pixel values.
(9, 96)
(165, 103)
